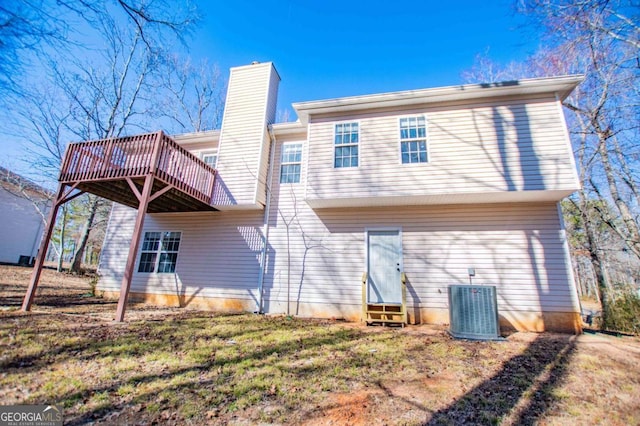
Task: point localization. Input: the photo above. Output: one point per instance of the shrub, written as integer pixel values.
(623, 312)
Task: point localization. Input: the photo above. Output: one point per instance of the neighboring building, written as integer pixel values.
(21, 223)
(427, 182)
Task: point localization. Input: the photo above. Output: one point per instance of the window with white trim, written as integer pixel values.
(290, 163)
(211, 158)
(413, 140)
(159, 252)
(346, 145)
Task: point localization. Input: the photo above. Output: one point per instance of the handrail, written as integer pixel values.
(137, 156)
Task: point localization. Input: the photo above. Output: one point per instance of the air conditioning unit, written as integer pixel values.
(473, 312)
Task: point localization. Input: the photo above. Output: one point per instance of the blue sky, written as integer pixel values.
(327, 49)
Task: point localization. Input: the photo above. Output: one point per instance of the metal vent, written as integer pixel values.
(473, 312)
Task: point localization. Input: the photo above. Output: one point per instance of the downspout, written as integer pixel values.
(267, 208)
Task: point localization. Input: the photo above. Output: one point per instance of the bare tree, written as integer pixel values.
(195, 100)
(31, 28)
(97, 93)
(600, 39)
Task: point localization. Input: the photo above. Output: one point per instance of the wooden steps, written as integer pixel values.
(384, 313)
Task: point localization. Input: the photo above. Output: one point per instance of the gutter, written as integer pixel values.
(265, 238)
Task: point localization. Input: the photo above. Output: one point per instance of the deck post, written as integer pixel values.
(42, 251)
(133, 247)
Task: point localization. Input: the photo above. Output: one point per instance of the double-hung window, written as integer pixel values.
(346, 145)
(413, 140)
(290, 163)
(211, 158)
(159, 252)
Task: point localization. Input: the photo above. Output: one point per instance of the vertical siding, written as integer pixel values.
(242, 138)
(518, 248)
(501, 146)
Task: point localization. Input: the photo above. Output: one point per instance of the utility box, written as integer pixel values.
(473, 312)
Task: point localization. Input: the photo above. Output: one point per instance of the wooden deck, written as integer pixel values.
(111, 168)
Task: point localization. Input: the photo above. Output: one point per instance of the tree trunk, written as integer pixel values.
(76, 265)
(63, 225)
(602, 283)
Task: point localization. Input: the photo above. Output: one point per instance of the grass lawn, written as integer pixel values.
(176, 366)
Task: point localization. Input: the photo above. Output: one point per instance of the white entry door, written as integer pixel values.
(384, 263)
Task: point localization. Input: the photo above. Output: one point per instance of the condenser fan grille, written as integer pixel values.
(473, 312)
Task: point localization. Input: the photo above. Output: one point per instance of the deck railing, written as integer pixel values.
(138, 156)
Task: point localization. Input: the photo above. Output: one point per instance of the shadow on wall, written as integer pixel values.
(229, 261)
(284, 288)
(218, 259)
(414, 311)
(221, 194)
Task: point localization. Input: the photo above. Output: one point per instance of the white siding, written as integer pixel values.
(486, 148)
(113, 256)
(272, 98)
(20, 227)
(219, 254)
(243, 140)
(517, 247)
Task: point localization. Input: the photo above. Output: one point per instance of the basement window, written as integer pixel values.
(159, 252)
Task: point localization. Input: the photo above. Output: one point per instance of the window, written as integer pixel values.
(159, 252)
(290, 162)
(413, 140)
(211, 158)
(346, 145)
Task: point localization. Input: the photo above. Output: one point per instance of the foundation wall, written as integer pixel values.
(564, 322)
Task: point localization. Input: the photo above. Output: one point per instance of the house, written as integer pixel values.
(22, 206)
(383, 199)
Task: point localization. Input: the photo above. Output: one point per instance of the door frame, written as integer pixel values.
(366, 251)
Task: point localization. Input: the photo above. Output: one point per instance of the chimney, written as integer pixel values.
(243, 150)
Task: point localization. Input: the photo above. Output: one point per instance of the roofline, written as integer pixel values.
(562, 85)
(12, 178)
(195, 137)
(289, 128)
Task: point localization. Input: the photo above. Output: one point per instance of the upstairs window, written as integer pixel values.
(211, 158)
(290, 163)
(346, 145)
(413, 140)
(159, 252)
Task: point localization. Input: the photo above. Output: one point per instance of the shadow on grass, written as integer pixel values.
(522, 390)
(62, 301)
(216, 376)
(224, 360)
(213, 372)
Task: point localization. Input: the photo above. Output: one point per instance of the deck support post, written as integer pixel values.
(62, 196)
(143, 199)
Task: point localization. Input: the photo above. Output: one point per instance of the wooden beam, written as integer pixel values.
(134, 189)
(133, 248)
(37, 267)
(160, 192)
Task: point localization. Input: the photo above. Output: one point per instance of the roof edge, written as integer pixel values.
(562, 85)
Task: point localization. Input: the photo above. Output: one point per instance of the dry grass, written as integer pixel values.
(187, 367)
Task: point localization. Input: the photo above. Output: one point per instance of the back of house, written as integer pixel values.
(380, 199)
